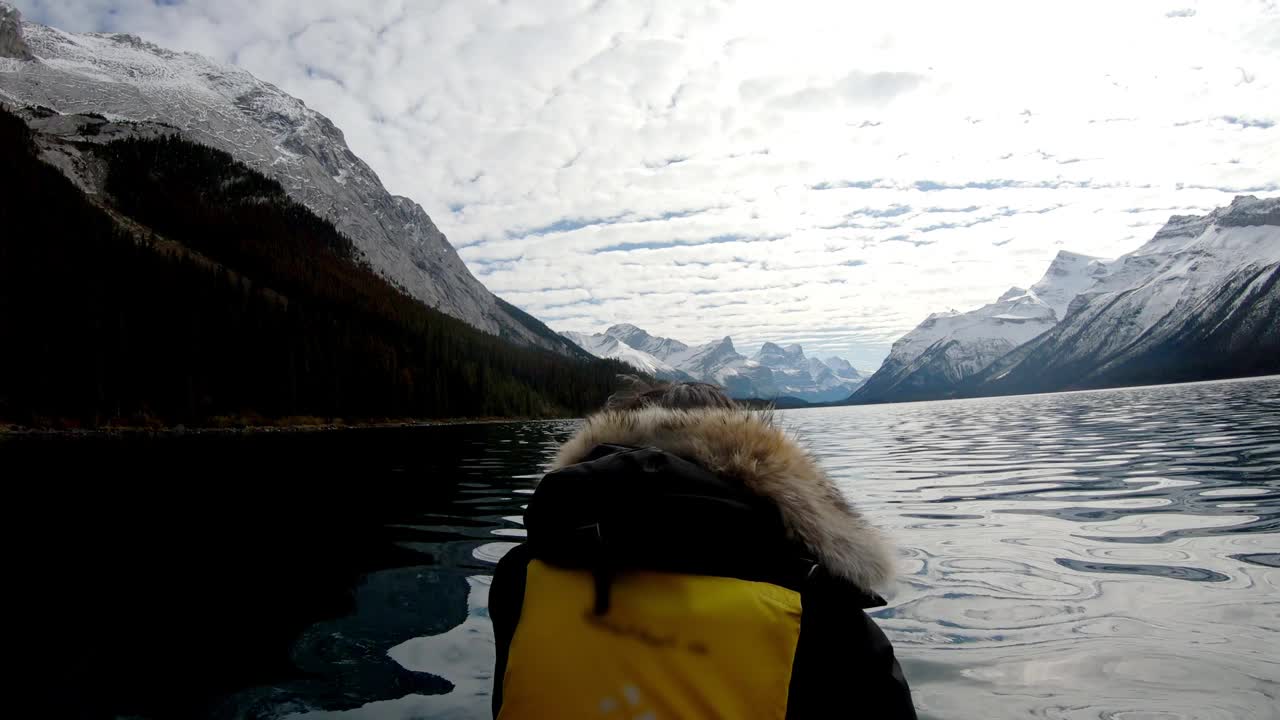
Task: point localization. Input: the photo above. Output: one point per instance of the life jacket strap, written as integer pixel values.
(592, 542)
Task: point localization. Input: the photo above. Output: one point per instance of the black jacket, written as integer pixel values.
(717, 493)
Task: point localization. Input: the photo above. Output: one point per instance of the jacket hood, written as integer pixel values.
(748, 447)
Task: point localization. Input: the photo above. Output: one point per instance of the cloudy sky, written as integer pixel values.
(823, 173)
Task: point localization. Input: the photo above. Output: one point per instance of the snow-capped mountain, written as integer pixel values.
(665, 349)
(772, 372)
(668, 359)
(843, 369)
(123, 77)
(948, 347)
(1200, 300)
(607, 346)
(808, 378)
(1068, 275)
(791, 358)
(1192, 303)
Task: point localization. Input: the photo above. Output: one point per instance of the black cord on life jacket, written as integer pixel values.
(601, 566)
(603, 577)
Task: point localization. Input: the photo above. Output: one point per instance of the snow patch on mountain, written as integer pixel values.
(948, 347)
(773, 372)
(666, 349)
(126, 78)
(1087, 319)
(1157, 291)
(1068, 275)
(606, 346)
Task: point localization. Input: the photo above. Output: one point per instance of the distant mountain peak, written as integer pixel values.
(608, 346)
(842, 368)
(774, 371)
(1248, 210)
(776, 356)
(1068, 275)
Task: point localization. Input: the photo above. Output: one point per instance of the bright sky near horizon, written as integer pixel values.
(827, 173)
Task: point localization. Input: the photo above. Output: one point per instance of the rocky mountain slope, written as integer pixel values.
(173, 285)
(949, 347)
(125, 78)
(1195, 302)
(1199, 301)
(772, 372)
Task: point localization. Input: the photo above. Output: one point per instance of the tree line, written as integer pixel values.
(211, 295)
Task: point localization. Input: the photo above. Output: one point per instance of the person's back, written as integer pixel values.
(685, 559)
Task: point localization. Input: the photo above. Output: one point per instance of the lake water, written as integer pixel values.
(1110, 554)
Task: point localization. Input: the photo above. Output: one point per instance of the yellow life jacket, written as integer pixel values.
(670, 646)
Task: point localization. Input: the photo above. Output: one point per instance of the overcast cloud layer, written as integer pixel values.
(823, 173)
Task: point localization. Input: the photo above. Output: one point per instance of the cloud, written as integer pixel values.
(856, 89)
(662, 245)
(1243, 122)
(826, 173)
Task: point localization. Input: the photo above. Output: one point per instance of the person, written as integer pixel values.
(685, 558)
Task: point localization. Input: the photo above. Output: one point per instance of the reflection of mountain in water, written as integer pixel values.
(259, 576)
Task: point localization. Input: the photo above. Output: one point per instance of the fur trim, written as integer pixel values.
(748, 446)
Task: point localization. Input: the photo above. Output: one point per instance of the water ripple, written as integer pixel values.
(1083, 555)
(1176, 572)
(1075, 556)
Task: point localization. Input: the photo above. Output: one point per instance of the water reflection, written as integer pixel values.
(1086, 555)
(1104, 554)
(468, 535)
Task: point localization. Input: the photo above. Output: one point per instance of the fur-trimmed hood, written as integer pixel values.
(750, 448)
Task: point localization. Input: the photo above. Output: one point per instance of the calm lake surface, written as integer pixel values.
(1110, 554)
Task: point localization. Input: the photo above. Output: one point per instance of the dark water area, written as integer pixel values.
(255, 575)
(1109, 554)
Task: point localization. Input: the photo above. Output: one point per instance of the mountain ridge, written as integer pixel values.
(774, 372)
(1128, 320)
(183, 287)
(124, 77)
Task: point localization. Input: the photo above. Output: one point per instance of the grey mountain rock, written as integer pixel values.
(12, 44)
(949, 347)
(843, 369)
(607, 346)
(126, 78)
(663, 348)
(773, 372)
(1197, 301)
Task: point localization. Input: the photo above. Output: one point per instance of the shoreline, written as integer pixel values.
(14, 430)
(315, 425)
